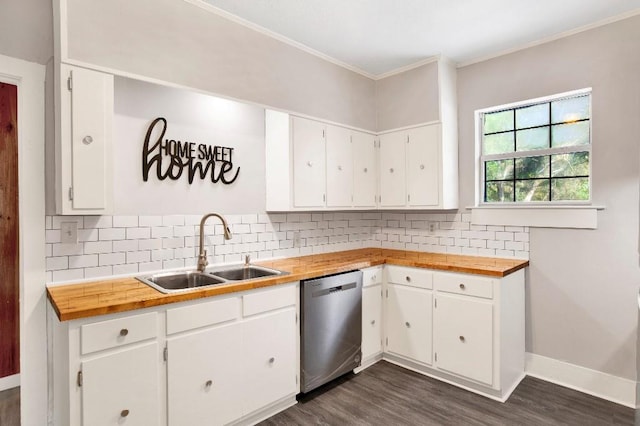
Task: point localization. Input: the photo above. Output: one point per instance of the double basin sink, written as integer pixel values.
(170, 282)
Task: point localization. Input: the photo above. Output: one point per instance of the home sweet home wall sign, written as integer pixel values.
(172, 159)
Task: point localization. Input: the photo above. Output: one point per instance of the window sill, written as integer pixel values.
(574, 217)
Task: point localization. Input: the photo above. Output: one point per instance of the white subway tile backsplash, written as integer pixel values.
(106, 259)
(125, 221)
(140, 244)
(67, 275)
(92, 247)
(149, 220)
(125, 245)
(63, 249)
(109, 234)
(83, 261)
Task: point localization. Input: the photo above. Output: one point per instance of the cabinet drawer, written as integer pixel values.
(414, 277)
(202, 314)
(371, 276)
(268, 300)
(470, 285)
(118, 332)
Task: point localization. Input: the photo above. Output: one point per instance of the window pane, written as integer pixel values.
(568, 110)
(498, 121)
(570, 189)
(532, 190)
(497, 192)
(534, 115)
(528, 140)
(570, 134)
(576, 164)
(499, 170)
(498, 144)
(532, 167)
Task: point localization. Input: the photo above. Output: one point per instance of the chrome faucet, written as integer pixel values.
(202, 257)
(247, 260)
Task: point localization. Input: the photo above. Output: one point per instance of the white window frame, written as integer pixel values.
(549, 214)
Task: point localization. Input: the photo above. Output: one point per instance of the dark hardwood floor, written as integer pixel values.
(388, 395)
(10, 407)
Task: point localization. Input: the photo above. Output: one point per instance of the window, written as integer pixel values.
(537, 151)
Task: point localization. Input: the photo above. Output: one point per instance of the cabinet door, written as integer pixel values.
(91, 127)
(339, 167)
(269, 359)
(365, 181)
(423, 161)
(308, 163)
(122, 388)
(205, 377)
(371, 319)
(393, 192)
(409, 322)
(463, 337)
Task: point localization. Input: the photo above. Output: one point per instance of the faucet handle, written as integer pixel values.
(247, 259)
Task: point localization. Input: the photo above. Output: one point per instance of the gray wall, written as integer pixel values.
(191, 117)
(181, 43)
(581, 292)
(408, 98)
(26, 30)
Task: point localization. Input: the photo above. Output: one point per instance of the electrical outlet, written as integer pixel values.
(432, 228)
(69, 232)
(296, 239)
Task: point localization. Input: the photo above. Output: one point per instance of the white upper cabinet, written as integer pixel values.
(393, 169)
(339, 167)
(84, 176)
(365, 170)
(311, 165)
(308, 140)
(423, 166)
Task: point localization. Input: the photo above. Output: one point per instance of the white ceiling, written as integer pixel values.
(378, 36)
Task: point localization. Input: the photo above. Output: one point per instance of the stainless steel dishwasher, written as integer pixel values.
(331, 328)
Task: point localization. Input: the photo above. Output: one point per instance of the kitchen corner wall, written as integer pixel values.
(126, 245)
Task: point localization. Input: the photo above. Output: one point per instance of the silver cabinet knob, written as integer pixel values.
(407, 324)
(461, 339)
(373, 277)
(340, 168)
(272, 360)
(87, 140)
(373, 322)
(124, 332)
(310, 163)
(366, 170)
(408, 278)
(208, 383)
(124, 413)
(421, 166)
(391, 170)
(462, 287)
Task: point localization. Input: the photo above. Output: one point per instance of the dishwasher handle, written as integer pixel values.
(336, 289)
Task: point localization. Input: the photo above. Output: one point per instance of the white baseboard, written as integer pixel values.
(602, 385)
(9, 382)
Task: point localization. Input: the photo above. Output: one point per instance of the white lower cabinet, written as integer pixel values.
(409, 322)
(371, 315)
(463, 337)
(269, 359)
(371, 321)
(466, 329)
(203, 376)
(214, 361)
(122, 388)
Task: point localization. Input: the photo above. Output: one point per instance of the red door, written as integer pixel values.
(9, 307)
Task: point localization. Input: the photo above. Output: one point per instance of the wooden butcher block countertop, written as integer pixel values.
(108, 296)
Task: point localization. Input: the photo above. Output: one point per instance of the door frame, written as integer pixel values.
(30, 79)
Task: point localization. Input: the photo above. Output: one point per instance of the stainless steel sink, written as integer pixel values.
(171, 282)
(241, 273)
